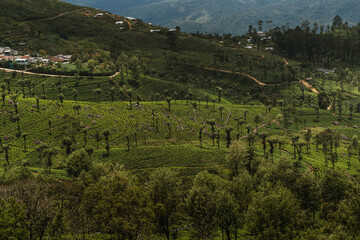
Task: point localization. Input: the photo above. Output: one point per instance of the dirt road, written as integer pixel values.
(49, 75)
(309, 86)
(239, 73)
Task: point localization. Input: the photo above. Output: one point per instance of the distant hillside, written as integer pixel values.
(60, 27)
(190, 62)
(27, 10)
(230, 16)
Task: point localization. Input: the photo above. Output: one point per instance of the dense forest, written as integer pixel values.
(259, 199)
(319, 44)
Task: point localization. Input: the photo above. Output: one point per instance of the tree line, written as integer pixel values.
(322, 45)
(256, 198)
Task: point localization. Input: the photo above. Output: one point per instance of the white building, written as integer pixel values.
(261, 33)
(131, 18)
(326, 71)
(99, 15)
(65, 58)
(8, 51)
(22, 61)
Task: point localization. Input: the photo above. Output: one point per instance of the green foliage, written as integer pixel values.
(63, 156)
(274, 213)
(201, 205)
(35, 205)
(348, 216)
(238, 158)
(77, 162)
(12, 220)
(165, 191)
(115, 205)
(334, 186)
(324, 101)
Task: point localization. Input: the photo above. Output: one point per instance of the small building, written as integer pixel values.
(261, 33)
(99, 15)
(155, 30)
(131, 18)
(67, 58)
(56, 59)
(64, 58)
(249, 47)
(35, 59)
(23, 60)
(9, 52)
(326, 71)
(269, 49)
(172, 30)
(119, 22)
(7, 58)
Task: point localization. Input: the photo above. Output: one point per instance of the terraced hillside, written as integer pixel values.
(145, 134)
(163, 98)
(55, 27)
(148, 126)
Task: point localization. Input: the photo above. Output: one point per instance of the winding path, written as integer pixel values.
(54, 17)
(309, 86)
(261, 126)
(227, 119)
(264, 125)
(253, 78)
(239, 73)
(31, 73)
(50, 75)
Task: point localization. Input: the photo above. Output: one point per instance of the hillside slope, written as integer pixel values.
(69, 29)
(230, 16)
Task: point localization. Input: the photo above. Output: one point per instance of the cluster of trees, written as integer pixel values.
(259, 199)
(320, 44)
